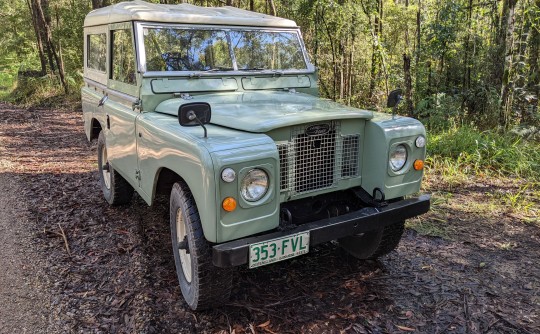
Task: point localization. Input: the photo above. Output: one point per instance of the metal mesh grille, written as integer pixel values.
(349, 166)
(315, 162)
(283, 150)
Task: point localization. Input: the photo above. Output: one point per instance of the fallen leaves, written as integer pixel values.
(120, 276)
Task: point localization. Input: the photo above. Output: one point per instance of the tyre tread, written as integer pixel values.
(214, 284)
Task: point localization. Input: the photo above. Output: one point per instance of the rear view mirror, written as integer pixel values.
(193, 114)
(394, 98)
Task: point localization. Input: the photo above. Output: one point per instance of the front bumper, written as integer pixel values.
(235, 253)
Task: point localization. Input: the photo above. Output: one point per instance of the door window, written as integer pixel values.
(97, 52)
(123, 57)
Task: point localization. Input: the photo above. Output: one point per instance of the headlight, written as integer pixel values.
(398, 157)
(254, 185)
(420, 141)
(228, 175)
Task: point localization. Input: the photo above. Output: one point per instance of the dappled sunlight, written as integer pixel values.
(470, 263)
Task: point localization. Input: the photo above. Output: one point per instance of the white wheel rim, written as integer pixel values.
(106, 173)
(185, 257)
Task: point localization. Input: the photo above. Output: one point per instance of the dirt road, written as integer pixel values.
(111, 269)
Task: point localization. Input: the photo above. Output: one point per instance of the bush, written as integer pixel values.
(45, 91)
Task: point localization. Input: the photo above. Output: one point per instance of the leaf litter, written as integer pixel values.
(112, 269)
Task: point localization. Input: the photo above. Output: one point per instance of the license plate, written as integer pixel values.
(280, 249)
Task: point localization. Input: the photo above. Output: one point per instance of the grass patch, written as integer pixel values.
(463, 151)
(434, 223)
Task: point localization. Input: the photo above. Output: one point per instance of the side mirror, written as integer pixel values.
(193, 114)
(394, 98)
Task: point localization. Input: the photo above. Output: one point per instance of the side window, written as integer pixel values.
(97, 52)
(123, 57)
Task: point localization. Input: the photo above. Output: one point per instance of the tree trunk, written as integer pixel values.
(273, 11)
(466, 84)
(533, 80)
(506, 103)
(407, 72)
(408, 84)
(375, 50)
(100, 3)
(39, 40)
(334, 62)
(418, 50)
(499, 43)
(43, 15)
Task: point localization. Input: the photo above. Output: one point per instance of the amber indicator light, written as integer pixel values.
(229, 204)
(418, 164)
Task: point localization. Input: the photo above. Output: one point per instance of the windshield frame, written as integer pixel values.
(141, 52)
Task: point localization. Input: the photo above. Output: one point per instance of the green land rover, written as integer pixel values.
(218, 108)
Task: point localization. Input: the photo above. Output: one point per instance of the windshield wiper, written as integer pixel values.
(217, 69)
(275, 72)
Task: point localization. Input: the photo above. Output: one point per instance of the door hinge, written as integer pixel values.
(137, 105)
(138, 175)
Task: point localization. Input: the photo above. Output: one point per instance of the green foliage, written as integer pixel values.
(455, 53)
(478, 107)
(45, 91)
(469, 151)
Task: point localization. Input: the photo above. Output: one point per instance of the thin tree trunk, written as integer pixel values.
(466, 85)
(533, 80)
(506, 103)
(499, 43)
(331, 39)
(407, 72)
(39, 41)
(408, 84)
(375, 50)
(418, 45)
(342, 70)
(45, 20)
(273, 11)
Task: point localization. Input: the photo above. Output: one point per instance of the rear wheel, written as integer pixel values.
(203, 285)
(116, 189)
(374, 244)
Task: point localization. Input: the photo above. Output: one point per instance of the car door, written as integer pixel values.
(95, 75)
(122, 94)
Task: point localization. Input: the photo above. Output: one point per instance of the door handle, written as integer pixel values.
(103, 100)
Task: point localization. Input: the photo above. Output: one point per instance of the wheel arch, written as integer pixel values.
(165, 179)
(95, 129)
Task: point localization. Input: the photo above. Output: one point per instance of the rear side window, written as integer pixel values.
(97, 52)
(123, 57)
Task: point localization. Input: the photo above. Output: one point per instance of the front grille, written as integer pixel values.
(310, 162)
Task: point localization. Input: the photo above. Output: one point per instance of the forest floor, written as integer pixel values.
(468, 266)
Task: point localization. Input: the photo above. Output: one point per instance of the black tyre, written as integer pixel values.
(203, 285)
(116, 189)
(374, 244)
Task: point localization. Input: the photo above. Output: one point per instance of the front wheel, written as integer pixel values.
(116, 189)
(203, 285)
(374, 244)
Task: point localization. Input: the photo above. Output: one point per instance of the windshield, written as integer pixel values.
(181, 49)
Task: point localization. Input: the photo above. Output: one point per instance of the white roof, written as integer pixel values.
(183, 13)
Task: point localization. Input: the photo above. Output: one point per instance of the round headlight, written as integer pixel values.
(398, 157)
(254, 185)
(420, 141)
(228, 175)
